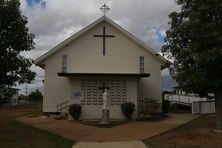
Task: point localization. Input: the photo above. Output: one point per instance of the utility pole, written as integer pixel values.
(26, 92)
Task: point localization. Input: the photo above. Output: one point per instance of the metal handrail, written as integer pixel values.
(60, 106)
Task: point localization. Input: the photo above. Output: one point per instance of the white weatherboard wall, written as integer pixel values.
(85, 56)
(56, 89)
(122, 54)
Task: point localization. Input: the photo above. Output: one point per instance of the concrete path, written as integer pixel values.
(135, 130)
(126, 144)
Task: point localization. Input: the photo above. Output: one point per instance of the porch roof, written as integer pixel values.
(137, 75)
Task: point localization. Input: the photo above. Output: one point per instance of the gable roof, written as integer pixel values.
(89, 27)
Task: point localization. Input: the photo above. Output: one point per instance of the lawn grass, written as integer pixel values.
(55, 140)
(195, 134)
(97, 123)
(19, 135)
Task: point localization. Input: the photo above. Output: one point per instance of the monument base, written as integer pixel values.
(217, 131)
(105, 117)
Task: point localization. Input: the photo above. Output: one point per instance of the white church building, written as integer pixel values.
(102, 52)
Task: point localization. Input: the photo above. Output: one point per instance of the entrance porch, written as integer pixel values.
(84, 91)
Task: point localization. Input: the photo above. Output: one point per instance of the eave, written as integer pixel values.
(136, 75)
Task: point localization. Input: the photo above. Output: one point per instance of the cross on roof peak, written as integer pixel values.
(104, 9)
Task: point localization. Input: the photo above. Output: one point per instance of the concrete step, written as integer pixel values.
(61, 116)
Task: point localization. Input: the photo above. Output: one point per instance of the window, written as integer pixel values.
(64, 63)
(142, 69)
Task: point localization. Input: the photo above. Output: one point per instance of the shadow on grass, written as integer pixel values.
(32, 137)
(97, 123)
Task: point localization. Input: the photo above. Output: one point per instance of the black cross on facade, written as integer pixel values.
(104, 36)
(103, 87)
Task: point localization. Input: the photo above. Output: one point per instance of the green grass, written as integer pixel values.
(15, 134)
(97, 123)
(55, 140)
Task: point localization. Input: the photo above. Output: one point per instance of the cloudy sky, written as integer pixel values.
(52, 21)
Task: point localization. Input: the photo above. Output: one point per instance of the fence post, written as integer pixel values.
(200, 107)
(210, 107)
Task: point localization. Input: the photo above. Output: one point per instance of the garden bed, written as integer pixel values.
(96, 123)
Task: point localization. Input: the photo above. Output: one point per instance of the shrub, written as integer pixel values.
(150, 107)
(165, 106)
(75, 111)
(128, 109)
(178, 108)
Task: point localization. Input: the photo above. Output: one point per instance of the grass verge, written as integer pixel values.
(194, 134)
(15, 134)
(54, 140)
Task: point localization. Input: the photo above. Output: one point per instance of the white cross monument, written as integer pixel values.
(105, 110)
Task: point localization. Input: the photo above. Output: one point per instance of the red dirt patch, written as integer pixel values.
(197, 133)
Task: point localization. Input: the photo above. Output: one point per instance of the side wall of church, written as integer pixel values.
(56, 89)
(151, 87)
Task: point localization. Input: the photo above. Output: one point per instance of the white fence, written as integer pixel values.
(199, 105)
(204, 107)
(183, 98)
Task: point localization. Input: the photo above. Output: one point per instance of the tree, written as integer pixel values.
(35, 95)
(14, 39)
(21, 97)
(6, 95)
(194, 42)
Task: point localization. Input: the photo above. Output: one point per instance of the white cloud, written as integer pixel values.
(61, 18)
